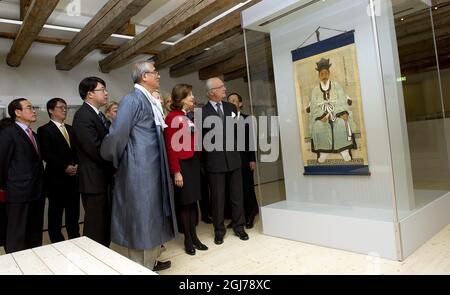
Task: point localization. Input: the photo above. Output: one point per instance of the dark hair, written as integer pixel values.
(179, 92)
(89, 84)
(238, 96)
(51, 104)
(13, 106)
(5, 122)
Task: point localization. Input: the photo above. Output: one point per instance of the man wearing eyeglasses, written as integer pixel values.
(94, 173)
(223, 166)
(21, 178)
(143, 216)
(57, 142)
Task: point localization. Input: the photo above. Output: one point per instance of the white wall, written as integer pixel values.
(38, 80)
(199, 88)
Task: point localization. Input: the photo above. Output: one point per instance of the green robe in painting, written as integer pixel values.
(335, 135)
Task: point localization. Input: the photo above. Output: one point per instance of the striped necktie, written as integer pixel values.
(104, 120)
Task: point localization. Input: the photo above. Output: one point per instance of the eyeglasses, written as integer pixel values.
(30, 108)
(219, 87)
(103, 89)
(156, 73)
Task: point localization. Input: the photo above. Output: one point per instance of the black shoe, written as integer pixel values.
(207, 220)
(200, 246)
(242, 235)
(230, 225)
(190, 251)
(218, 240)
(248, 225)
(162, 265)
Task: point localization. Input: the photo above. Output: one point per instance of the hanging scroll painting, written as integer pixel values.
(329, 102)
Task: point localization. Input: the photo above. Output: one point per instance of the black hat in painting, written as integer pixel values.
(323, 64)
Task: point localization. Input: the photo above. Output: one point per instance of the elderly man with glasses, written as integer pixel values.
(223, 166)
(143, 216)
(58, 144)
(21, 178)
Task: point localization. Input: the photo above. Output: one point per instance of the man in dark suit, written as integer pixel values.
(57, 142)
(248, 160)
(222, 164)
(22, 179)
(3, 124)
(94, 174)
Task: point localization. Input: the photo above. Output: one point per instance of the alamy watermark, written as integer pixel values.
(74, 8)
(233, 133)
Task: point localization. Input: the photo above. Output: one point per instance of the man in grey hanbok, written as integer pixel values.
(331, 123)
(142, 208)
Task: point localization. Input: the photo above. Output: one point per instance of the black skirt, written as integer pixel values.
(190, 192)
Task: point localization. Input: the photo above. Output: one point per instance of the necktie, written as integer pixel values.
(219, 110)
(103, 118)
(64, 132)
(33, 140)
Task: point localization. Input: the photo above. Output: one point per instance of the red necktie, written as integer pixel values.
(33, 140)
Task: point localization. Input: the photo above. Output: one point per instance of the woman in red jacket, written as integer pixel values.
(184, 164)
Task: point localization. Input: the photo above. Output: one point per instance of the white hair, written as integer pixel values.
(209, 83)
(139, 69)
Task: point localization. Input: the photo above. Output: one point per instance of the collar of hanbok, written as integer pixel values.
(156, 106)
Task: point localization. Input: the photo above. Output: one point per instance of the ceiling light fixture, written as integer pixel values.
(69, 29)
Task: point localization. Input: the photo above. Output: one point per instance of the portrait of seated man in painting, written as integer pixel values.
(331, 121)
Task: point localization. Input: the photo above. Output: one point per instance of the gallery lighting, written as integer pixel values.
(69, 29)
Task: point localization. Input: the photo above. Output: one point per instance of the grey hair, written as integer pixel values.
(209, 83)
(139, 69)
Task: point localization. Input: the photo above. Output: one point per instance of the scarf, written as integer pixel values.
(156, 106)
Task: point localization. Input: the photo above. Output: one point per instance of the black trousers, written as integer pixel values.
(204, 203)
(218, 182)
(25, 223)
(250, 203)
(97, 217)
(69, 203)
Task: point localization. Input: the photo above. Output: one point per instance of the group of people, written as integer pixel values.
(139, 170)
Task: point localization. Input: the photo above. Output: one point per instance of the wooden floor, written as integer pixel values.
(268, 255)
(81, 256)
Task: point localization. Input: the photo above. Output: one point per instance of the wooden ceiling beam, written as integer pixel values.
(185, 16)
(128, 29)
(218, 53)
(239, 73)
(24, 5)
(113, 16)
(208, 36)
(230, 65)
(34, 20)
(61, 41)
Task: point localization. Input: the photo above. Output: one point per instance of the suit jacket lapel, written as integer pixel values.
(97, 120)
(57, 132)
(211, 110)
(25, 136)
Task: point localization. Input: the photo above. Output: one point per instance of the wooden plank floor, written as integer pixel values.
(77, 256)
(268, 255)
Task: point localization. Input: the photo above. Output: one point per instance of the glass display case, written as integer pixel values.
(361, 120)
